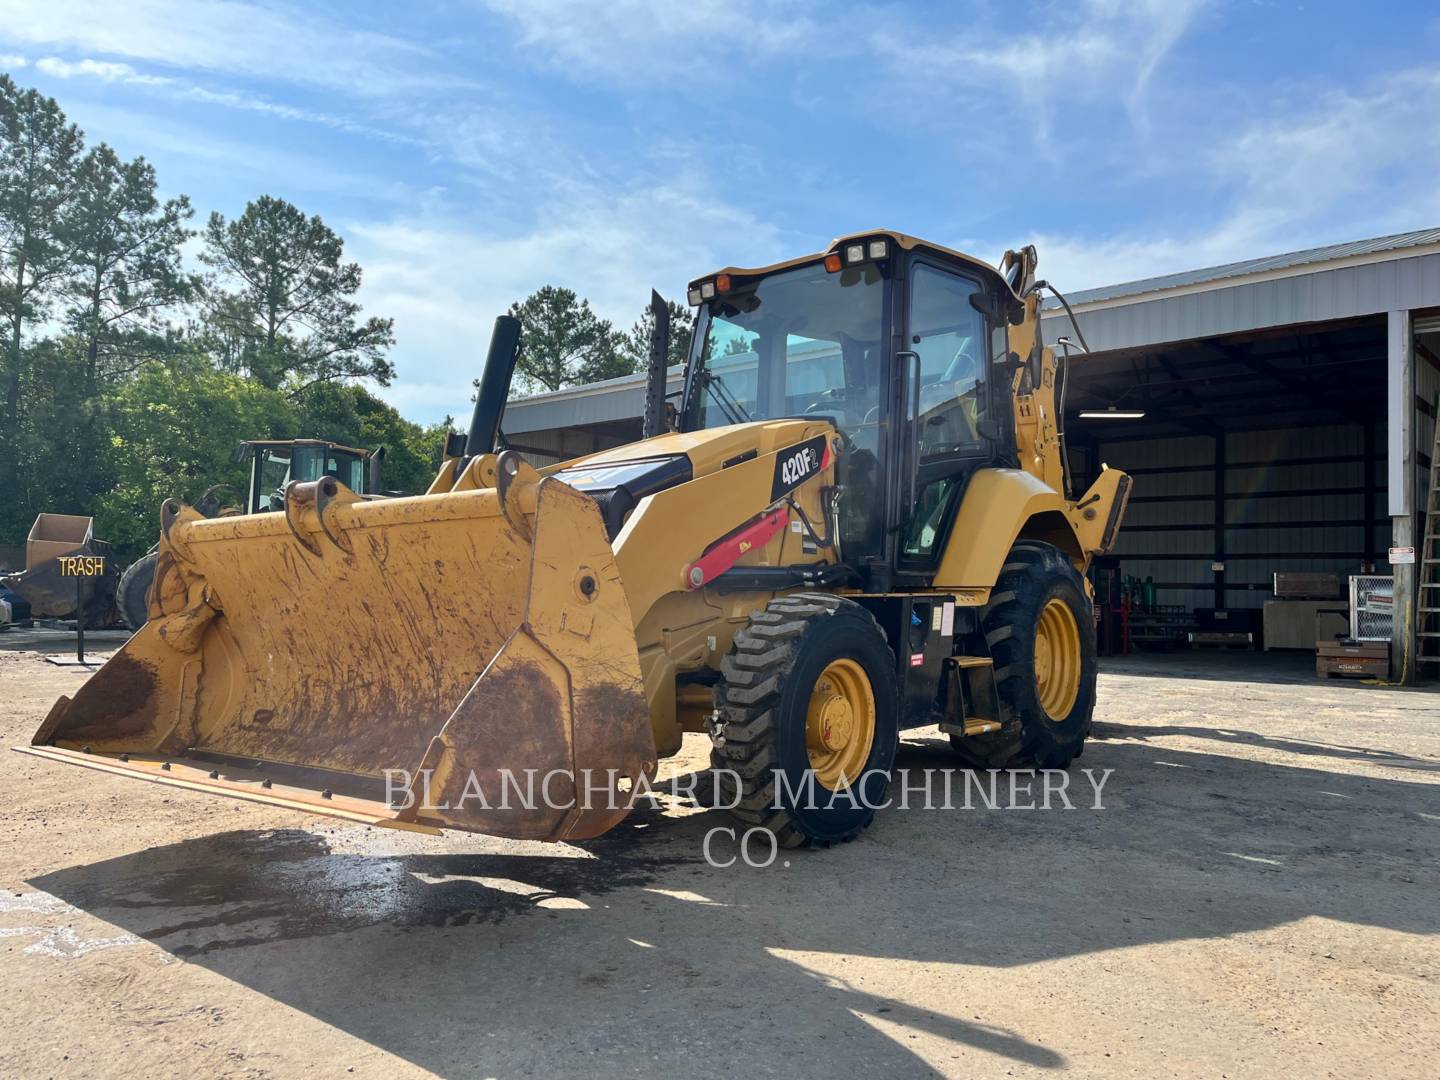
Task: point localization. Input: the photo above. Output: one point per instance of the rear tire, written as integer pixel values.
(132, 595)
(805, 684)
(1039, 595)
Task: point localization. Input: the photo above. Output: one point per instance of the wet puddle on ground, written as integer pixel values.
(62, 941)
(250, 887)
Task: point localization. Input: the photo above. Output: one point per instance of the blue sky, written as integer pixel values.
(470, 152)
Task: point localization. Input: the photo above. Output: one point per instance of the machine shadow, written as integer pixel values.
(460, 963)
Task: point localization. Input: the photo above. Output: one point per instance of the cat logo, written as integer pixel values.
(796, 465)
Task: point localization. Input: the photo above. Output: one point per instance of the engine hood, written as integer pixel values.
(710, 449)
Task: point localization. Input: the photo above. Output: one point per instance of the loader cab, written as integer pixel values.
(273, 464)
(895, 343)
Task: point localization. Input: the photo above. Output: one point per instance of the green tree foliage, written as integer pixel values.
(284, 299)
(38, 147)
(51, 475)
(176, 427)
(682, 327)
(355, 417)
(112, 402)
(125, 273)
(564, 342)
(175, 430)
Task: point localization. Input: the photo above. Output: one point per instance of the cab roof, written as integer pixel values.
(908, 243)
(305, 442)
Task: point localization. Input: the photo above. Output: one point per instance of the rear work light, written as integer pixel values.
(854, 253)
(879, 249)
(707, 290)
(695, 296)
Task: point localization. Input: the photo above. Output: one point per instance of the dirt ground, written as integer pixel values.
(1260, 896)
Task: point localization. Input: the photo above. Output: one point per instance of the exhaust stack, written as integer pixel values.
(493, 386)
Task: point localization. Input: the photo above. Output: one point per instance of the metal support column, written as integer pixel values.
(1218, 559)
(1400, 474)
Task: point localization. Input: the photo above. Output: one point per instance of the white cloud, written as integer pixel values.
(292, 173)
(13, 62)
(1096, 52)
(1368, 156)
(1326, 168)
(104, 70)
(633, 40)
(111, 71)
(223, 36)
(444, 280)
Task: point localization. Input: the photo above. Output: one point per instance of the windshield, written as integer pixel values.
(277, 466)
(313, 462)
(799, 342)
(803, 342)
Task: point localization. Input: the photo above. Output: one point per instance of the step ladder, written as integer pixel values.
(1427, 636)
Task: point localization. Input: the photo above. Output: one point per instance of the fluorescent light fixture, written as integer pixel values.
(877, 249)
(855, 253)
(1112, 413)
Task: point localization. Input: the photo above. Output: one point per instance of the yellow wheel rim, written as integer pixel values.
(1057, 659)
(840, 724)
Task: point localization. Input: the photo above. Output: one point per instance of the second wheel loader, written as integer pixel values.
(273, 464)
(855, 523)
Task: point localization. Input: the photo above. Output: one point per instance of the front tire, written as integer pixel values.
(807, 717)
(1041, 632)
(132, 595)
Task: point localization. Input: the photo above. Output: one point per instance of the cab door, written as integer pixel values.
(945, 370)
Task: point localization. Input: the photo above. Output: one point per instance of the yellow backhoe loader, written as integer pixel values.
(855, 522)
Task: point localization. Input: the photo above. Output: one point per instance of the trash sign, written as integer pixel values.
(82, 565)
(1402, 556)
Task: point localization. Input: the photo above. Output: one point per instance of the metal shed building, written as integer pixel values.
(1289, 408)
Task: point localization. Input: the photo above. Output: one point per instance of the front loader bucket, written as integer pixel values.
(461, 660)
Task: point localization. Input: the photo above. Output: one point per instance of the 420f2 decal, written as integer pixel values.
(796, 464)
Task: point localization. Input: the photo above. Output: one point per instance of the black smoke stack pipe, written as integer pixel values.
(652, 422)
(494, 386)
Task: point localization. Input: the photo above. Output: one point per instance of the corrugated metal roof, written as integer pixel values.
(621, 398)
(1329, 253)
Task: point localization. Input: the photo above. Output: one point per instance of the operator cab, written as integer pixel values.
(902, 345)
(274, 464)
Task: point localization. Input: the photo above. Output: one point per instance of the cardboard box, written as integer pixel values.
(53, 535)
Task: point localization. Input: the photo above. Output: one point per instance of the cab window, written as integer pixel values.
(951, 339)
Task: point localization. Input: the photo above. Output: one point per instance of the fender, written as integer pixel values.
(998, 506)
